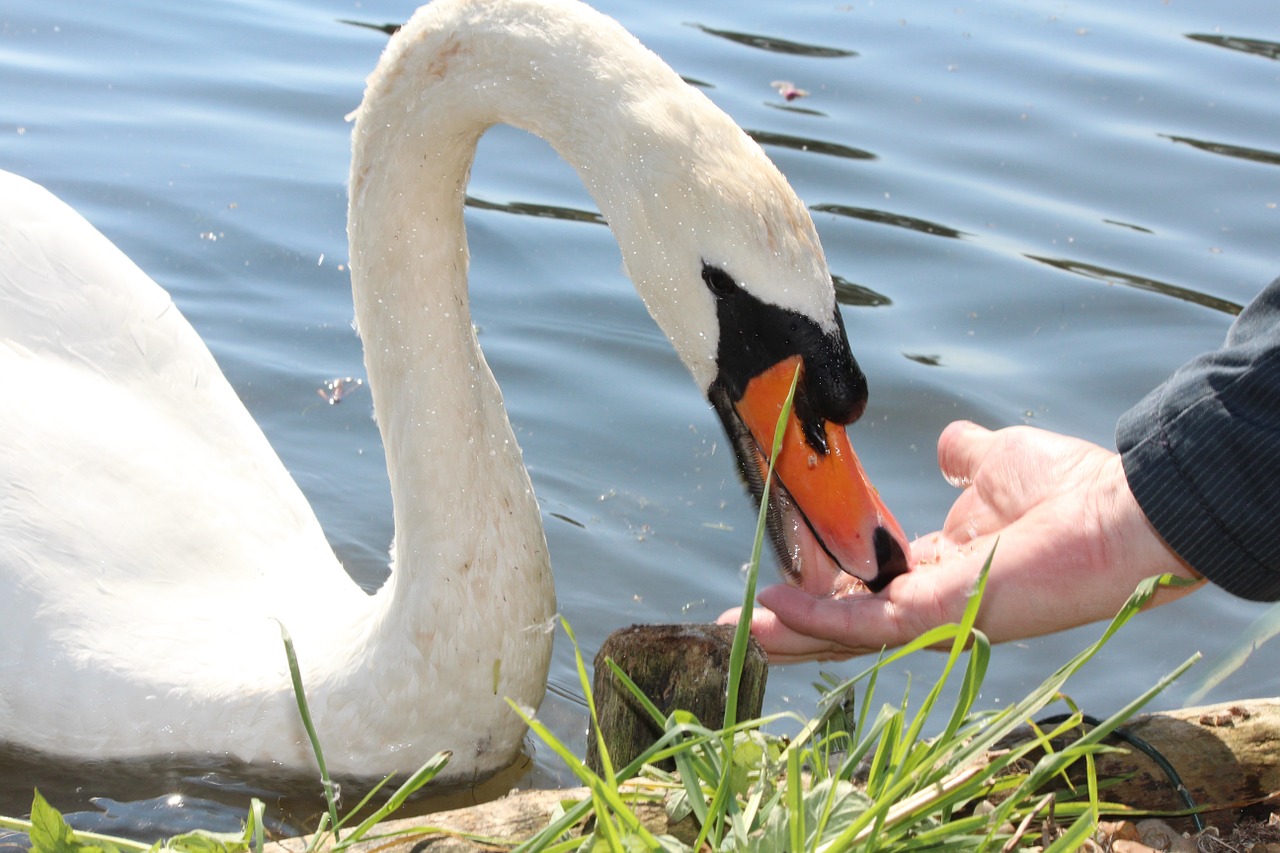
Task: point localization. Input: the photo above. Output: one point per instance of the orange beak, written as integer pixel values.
(830, 519)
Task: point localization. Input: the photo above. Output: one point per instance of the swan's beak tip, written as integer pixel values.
(892, 556)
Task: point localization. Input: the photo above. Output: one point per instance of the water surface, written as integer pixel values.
(1036, 211)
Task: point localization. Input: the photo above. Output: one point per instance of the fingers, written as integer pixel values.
(961, 448)
(782, 643)
(830, 627)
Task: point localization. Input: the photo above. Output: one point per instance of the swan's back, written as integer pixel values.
(125, 458)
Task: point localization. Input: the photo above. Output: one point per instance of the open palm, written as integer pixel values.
(1072, 545)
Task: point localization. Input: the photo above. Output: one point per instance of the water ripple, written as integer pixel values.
(1111, 276)
(1256, 47)
(1257, 155)
(777, 45)
(812, 146)
(857, 295)
(898, 220)
(545, 211)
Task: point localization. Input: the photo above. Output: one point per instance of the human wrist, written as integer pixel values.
(1145, 552)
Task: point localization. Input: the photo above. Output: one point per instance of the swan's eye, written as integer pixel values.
(720, 282)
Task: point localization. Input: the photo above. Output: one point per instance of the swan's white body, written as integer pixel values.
(149, 536)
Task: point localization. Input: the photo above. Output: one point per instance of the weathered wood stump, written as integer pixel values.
(1228, 756)
(683, 667)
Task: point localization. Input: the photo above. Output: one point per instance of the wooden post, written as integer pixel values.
(678, 667)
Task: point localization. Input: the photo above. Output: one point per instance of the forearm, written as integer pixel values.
(1202, 456)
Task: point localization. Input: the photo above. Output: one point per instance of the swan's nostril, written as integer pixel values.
(891, 559)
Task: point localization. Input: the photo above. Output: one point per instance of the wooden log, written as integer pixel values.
(1227, 755)
(512, 819)
(683, 667)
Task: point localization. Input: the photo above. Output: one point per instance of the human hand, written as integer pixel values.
(1073, 545)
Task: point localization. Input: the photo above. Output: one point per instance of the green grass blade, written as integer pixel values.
(608, 800)
(255, 828)
(1013, 716)
(584, 680)
(1073, 839)
(408, 788)
(738, 654)
(645, 703)
(961, 641)
(1260, 631)
(304, 711)
(795, 803)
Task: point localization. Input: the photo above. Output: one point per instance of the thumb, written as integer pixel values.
(961, 448)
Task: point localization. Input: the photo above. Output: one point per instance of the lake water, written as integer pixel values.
(1040, 210)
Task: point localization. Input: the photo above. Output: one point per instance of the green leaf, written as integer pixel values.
(203, 841)
(833, 805)
(747, 761)
(50, 833)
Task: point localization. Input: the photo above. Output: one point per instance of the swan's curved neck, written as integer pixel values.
(583, 85)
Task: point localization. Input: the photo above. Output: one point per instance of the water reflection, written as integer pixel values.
(1110, 276)
(812, 146)
(792, 108)
(386, 29)
(1128, 225)
(898, 220)
(1257, 155)
(164, 798)
(1257, 47)
(547, 211)
(166, 816)
(857, 295)
(777, 45)
(926, 360)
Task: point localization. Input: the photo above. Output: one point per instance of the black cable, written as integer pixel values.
(1146, 749)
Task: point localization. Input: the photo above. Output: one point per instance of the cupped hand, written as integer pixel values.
(1073, 544)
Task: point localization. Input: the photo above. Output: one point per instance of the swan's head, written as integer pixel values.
(825, 519)
(729, 264)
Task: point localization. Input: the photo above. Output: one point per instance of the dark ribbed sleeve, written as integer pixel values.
(1202, 456)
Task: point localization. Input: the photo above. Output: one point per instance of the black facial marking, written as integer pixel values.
(754, 336)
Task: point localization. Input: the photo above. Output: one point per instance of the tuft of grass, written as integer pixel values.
(863, 777)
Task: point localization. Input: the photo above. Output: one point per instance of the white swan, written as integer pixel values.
(149, 536)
